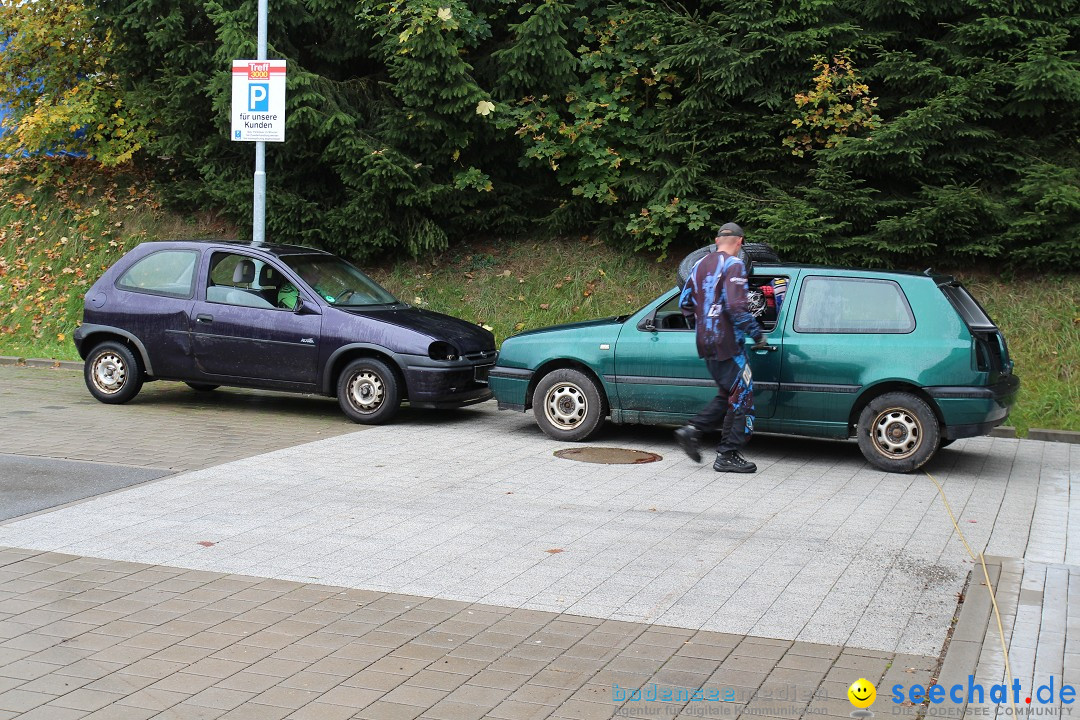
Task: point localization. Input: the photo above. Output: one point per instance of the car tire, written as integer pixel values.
(569, 405)
(202, 387)
(113, 373)
(750, 254)
(898, 432)
(368, 391)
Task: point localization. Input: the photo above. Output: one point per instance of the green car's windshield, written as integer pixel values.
(338, 282)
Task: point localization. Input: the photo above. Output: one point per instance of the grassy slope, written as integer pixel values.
(54, 243)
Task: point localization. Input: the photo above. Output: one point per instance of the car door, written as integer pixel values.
(658, 369)
(844, 332)
(241, 335)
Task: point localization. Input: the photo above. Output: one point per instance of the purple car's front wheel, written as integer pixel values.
(368, 391)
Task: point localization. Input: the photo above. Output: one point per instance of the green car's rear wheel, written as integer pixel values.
(569, 405)
(898, 432)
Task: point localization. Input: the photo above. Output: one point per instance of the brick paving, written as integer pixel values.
(50, 413)
(89, 638)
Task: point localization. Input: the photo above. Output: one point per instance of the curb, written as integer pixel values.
(969, 634)
(1003, 431)
(40, 363)
(1061, 436)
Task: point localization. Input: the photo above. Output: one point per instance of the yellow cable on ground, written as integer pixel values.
(989, 586)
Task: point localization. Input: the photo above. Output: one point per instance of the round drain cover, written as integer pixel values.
(608, 456)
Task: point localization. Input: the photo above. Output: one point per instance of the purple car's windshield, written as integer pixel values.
(338, 282)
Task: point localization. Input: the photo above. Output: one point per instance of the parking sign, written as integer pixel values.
(258, 100)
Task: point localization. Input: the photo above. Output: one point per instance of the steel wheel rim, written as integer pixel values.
(109, 374)
(897, 433)
(366, 391)
(566, 406)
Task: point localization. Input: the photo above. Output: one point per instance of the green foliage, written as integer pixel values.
(838, 106)
(60, 86)
(868, 132)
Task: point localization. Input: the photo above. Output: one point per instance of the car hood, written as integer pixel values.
(465, 336)
(613, 320)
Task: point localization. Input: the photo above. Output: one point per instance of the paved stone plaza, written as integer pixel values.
(817, 564)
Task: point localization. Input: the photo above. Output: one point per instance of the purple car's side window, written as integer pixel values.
(168, 272)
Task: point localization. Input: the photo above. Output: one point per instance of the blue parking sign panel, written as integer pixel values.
(258, 100)
(259, 97)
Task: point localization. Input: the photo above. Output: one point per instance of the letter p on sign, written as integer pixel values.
(259, 97)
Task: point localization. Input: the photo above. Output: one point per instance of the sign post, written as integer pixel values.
(258, 115)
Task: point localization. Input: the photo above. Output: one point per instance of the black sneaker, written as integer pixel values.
(689, 439)
(733, 462)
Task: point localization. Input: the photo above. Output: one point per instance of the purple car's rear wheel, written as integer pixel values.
(113, 373)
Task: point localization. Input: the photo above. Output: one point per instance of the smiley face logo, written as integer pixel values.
(862, 694)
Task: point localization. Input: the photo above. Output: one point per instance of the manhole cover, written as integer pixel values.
(608, 456)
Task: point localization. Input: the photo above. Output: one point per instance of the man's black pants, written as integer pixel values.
(732, 410)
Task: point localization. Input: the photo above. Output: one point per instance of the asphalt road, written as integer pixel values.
(31, 484)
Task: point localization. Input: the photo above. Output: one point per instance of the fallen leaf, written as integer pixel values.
(206, 543)
(553, 551)
(545, 306)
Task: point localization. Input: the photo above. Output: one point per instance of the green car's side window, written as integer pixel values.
(762, 300)
(669, 316)
(852, 305)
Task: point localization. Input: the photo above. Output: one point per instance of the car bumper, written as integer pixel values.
(447, 386)
(511, 387)
(974, 411)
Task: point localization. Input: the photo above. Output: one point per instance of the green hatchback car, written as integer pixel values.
(904, 362)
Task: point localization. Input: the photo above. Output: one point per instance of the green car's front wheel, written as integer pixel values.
(569, 405)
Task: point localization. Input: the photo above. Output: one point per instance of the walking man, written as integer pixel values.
(715, 296)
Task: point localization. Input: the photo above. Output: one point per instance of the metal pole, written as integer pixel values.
(258, 224)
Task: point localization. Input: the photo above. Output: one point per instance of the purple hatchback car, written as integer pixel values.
(279, 317)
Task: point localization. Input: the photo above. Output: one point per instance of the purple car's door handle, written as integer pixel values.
(204, 318)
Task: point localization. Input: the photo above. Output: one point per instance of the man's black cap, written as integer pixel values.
(730, 230)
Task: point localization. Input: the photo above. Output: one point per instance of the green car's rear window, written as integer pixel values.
(852, 305)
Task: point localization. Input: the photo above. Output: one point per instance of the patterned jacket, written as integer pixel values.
(715, 296)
